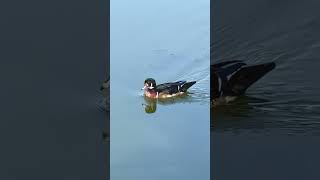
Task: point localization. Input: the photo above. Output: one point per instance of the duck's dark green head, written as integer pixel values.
(149, 83)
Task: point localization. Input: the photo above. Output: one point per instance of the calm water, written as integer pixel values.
(272, 132)
(167, 40)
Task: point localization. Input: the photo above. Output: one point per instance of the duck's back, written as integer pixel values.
(174, 87)
(246, 76)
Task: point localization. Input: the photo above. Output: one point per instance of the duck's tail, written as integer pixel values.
(245, 77)
(187, 85)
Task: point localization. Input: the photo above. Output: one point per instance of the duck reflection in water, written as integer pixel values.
(239, 108)
(150, 105)
(235, 115)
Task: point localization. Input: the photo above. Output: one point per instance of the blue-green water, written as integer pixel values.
(169, 41)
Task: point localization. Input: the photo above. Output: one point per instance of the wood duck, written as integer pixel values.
(232, 78)
(166, 90)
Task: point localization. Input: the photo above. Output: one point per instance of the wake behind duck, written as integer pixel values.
(232, 78)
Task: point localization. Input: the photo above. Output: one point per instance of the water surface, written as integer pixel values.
(269, 132)
(168, 41)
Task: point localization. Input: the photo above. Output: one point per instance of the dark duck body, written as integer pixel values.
(232, 78)
(166, 90)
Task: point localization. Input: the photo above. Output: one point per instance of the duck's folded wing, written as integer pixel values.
(246, 76)
(222, 64)
(170, 88)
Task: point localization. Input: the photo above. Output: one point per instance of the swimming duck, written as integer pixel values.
(232, 78)
(166, 90)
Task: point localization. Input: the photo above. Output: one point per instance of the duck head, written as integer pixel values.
(149, 83)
